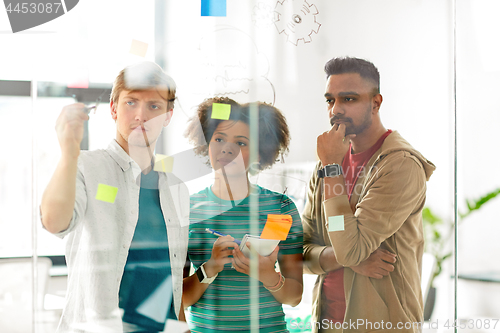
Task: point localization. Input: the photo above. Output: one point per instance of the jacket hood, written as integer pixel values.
(395, 142)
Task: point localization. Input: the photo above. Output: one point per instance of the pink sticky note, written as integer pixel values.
(79, 78)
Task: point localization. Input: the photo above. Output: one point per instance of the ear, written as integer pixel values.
(377, 102)
(168, 118)
(112, 106)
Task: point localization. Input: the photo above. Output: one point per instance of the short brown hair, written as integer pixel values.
(144, 76)
(274, 136)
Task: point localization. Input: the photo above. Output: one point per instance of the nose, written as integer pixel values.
(229, 148)
(140, 114)
(334, 110)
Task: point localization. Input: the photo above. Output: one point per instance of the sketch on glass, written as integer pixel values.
(232, 66)
(262, 15)
(297, 20)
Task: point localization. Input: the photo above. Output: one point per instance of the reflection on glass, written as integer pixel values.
(220, 291)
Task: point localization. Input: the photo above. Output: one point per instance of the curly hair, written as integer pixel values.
(274, 135)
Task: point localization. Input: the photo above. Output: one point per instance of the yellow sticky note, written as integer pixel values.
(138, 48)
(336, 223)
(277, 227)
(106, 193)
(163, 163)
(221, 111)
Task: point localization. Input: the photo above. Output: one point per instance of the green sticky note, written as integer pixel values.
(106, 193)
(336, 223)
(221, 111)
(163, 163)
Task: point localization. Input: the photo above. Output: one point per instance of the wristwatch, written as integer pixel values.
(202, 275)
(330, 170)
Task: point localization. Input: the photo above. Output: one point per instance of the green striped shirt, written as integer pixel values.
(225, 305)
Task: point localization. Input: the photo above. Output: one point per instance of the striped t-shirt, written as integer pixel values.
(225, 305)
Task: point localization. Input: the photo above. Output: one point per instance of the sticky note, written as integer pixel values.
(336, 223)
(138, 48)
(277, 227)
(221, 111)
(163, 163)
(106, 193)
(78, 78)
(213, 7)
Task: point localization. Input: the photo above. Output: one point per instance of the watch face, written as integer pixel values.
(199, 274)
(333, 170)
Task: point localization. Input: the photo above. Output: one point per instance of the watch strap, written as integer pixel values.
(330, 170)
(202, 275)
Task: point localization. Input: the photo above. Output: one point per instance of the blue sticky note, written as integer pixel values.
(336, 223)
(213, 7)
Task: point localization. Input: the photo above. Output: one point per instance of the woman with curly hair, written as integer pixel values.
(219, 292)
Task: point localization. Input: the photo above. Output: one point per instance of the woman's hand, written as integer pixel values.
(220, 255)
(267, 272)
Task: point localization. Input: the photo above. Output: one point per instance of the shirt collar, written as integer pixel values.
(122, 158)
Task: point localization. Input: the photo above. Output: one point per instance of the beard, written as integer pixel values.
(350, 128)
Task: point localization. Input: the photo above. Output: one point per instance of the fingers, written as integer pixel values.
(386, 255)
(384, 267)
(341, 130)
(226, 260)
(225, 253)
(240, 262)
(227, 238)
(239, 266)
(237, 254)
(274, 255)
(225, 242)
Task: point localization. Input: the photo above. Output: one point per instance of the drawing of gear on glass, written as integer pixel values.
(262, 15)
(297, 19)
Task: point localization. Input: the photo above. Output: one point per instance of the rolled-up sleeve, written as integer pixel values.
(80, 204)
(396, 190)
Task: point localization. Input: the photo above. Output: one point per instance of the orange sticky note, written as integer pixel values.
(277, 227)
(138, 48)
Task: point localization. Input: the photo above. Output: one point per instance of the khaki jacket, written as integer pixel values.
(385, 211)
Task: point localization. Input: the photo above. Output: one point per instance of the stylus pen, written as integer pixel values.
(216, 233)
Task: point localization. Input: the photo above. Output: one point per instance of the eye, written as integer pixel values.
(242, 144)
(329, 101)
(130, 103)
(348, 99)
(218, 140)
(155, 107)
